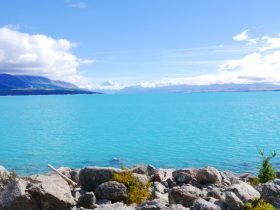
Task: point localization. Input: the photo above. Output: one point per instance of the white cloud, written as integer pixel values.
(79, 5)
(22, 53)
(242, 36)
(259, 66)
(271, 43)
(13, 27)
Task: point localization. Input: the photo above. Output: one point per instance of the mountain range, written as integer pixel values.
(184, 88)
(36, 85)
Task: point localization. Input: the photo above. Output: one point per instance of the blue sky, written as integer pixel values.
(132, 41)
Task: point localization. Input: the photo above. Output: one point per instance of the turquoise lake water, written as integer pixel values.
(166, 130)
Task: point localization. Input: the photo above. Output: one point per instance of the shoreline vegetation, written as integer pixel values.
(142, 187)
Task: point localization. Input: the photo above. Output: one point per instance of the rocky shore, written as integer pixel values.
(170, 189)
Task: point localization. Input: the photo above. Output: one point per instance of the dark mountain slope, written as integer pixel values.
(36, 85)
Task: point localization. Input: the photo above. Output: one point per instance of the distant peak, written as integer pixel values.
(108, 83)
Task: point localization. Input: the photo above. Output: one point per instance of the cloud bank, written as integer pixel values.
(22, 53)
(259, 66)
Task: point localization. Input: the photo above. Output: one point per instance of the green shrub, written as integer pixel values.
(266, 170)
(137, 191)
(254, 181)
(259, 204)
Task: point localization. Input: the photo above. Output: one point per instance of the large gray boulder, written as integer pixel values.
(233, 201)
(229, 176)
(143, 169)
(74, 175)
(155, 204)
(5, 177)
(216, 193)
(84, 199)
(158, 187)
(244, 191)
(185, 176)
(159, 192)
(91, 177)
(177, 207)
(270, 192)
(165, 174)
(111, 190)
(208, 175)
(184, 195)
(114, 206)
(201, 204)
(44, 192)
(13, 196)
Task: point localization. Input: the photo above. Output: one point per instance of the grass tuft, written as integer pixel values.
(137, 191)
(259, 204)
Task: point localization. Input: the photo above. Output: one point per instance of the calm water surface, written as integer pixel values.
(166, 130)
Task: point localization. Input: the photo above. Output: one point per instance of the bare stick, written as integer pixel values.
(63, 176)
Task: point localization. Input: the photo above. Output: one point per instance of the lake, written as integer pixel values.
(223, 130)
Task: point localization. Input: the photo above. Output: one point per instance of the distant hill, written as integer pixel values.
(36, 85)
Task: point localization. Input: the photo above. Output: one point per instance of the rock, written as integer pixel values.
(158, 187)
(103, 201)
(84, 199)
(114, 206)
(221, 204)
(65, 171)
(91, 177)
(160, 192)
(233, 201)
(163, 197)
(74, 175)
(155, 204)
(270, 192)
(44, 192)
(208, 175)
(185, 176)
(144, 179)
(216, 193)
(229, 176)
(3, 171)
(14, 196)
(201, 204)
(177, 207)
(169, 183)
(244, 177)
(111, 190)
(5, 177)
(184, 195)
(143, 169)
(165, 174)
(244, 191)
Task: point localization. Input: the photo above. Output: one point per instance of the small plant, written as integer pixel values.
(137, 191)
(259, 204)
(266, 171)
(254, 181)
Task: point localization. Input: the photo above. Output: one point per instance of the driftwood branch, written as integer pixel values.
(71, 182)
